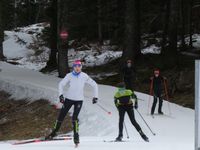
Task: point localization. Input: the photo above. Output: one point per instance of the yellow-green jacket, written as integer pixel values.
(124, 97)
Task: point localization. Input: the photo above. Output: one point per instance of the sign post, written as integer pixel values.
(197, 105)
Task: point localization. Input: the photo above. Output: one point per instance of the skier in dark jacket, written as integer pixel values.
(125, 100)
(128, 72)
(157, 81)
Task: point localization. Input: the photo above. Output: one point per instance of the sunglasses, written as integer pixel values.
(77, 65)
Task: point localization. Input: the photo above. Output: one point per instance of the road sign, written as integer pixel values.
(63, 35)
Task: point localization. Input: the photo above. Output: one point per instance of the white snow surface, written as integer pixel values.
(25, 47)
(175, 132)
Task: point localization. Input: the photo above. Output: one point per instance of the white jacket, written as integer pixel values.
(76, 86)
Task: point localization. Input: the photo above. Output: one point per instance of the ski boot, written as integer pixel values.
(144, 137)
(54, 131)
(119, 138)
(160, 113)
(76, 139)
(51, 135)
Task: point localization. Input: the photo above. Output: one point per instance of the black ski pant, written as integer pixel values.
(63, 112)
(128, 83)
(156, 97)
(129, 109)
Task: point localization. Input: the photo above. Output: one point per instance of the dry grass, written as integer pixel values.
(22, 119)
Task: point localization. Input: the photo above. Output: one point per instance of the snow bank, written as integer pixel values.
(152, 49)
(23, 45)
(22, 83)
(92, 57)
(196, 40)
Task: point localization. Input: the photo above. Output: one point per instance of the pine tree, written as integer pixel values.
(132, 27)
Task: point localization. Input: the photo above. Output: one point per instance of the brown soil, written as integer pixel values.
(22, 119)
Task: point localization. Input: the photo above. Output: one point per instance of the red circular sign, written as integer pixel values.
(64, 35)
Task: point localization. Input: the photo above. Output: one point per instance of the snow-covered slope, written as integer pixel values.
(175, 132)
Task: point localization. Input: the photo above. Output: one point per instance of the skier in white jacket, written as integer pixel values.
(73, 96)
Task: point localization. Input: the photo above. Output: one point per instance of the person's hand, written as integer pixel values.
(62, 99)
(94, 100)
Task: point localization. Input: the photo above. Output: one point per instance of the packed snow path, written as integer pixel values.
(175, 132)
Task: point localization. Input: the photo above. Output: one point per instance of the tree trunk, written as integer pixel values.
(52, 63)
(182, 16)
(1, 31)
(132, 30)
(166, 26)
(173, 26)
(29, 13)
(100, 36)
(38, 12)
(63, 67)
(170, 54)
(190, 23)
(15, 14)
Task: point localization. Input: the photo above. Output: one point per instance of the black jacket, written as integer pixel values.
(128, 72)
(157, 85)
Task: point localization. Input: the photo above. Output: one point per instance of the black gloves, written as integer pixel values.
(94, 100)
(136, 101)
(62, 99)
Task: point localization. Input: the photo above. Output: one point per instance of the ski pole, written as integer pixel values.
(167, 96)
(100, 106)
(141, 99)
(145, 122)
(126, 131)
(150, 94)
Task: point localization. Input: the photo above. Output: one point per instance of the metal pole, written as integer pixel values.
(145, 122)
(104, 109)
(126, 131)
(197, 104)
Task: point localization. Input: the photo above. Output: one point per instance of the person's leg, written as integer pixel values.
(160, 105)
(77, 109)
(154, 105)
(121, 122)
(64, 110)
(131, 115)
(132, 118)
(129, 84)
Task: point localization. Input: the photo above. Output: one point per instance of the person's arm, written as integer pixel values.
(134, 96)
(62, 84)
(92, 83)
(116, 102)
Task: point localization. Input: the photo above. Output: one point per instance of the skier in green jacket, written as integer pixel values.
(125, 100)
